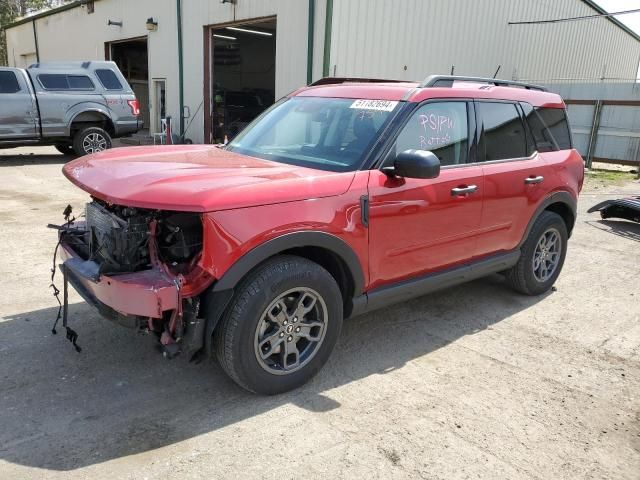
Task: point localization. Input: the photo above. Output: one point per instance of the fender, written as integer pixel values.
(222, 292)
(84, 107)
(288, 241)
(557, 197)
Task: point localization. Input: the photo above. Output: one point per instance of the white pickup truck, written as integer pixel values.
(76, 106)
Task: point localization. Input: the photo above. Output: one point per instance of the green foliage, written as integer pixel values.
(10, 10)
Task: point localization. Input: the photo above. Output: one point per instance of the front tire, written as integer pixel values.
(91, 140)
(281, 326)
(543, 254)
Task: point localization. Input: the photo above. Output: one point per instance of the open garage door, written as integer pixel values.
(242, 76)
(132, 59)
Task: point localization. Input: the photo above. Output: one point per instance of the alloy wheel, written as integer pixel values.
(94, 142)
(291, 331)
(546, 256)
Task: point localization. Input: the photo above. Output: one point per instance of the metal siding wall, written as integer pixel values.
(619, 132)
(20, 45)
(291, 45)
(379, 37)
(580, 119)
(370, 38)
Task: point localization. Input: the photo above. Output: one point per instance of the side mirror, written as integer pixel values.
(416, 164)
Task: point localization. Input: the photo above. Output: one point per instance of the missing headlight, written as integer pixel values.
(179, 238)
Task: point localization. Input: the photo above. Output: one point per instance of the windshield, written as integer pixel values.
(325, 133)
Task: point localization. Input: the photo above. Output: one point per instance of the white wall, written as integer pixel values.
(76, 35)
(291, 44)
(374, 38)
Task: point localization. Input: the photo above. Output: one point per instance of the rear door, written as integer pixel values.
(417, 226)
(514, 176)
(18, 112)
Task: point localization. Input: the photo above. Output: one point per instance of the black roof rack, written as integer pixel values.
(447, 81)
(335, 80)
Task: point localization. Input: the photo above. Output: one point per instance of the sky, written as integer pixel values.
(631, 20)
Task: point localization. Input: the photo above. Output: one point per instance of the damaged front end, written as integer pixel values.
(139, 268)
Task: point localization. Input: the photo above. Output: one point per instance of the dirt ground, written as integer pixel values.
(472, 382)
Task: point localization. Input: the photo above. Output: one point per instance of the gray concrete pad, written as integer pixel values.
(472, 382)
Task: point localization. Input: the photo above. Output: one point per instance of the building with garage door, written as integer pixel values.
(215, 65)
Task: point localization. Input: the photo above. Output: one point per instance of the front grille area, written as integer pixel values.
(118, 239)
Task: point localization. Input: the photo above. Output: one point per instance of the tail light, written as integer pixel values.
(135, 107)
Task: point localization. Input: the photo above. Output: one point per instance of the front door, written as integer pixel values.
(417, 226)
(18, 115)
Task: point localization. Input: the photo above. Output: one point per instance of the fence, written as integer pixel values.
(605, 121)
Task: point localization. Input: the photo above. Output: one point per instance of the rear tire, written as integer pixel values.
(65, 149)
(281, 326)
(542, 257)
(91, 140)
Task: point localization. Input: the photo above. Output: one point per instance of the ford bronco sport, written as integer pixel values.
(343, 197)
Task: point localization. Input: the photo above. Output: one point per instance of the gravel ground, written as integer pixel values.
(471, 382)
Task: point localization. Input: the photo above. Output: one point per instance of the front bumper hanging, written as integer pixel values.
(147, 293)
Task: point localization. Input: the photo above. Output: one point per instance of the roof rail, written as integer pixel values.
(447, 81)
(334, 80)
(61, 64)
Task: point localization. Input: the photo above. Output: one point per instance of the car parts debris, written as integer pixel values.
(627, 208)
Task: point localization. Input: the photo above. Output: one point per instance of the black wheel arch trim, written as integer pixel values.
(556, 197)
(288, 241)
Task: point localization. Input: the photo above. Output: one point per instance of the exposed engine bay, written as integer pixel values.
(139, 258)
(118, 238)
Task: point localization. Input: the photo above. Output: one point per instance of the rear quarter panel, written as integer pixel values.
(567, 167)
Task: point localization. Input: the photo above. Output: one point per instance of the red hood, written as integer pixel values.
(197, 178)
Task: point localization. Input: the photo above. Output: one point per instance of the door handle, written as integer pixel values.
(532, 180)
(461, 191)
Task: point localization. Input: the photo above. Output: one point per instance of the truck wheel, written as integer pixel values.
(65, 149)
(91, 140)
(543, 254)
(281, 326)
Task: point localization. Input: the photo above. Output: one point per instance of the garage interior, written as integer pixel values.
(132, 58)
(242, 80)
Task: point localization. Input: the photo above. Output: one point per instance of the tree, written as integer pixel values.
(10, 10)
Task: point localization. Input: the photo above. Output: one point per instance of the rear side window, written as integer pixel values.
(550, 128)
(503, 131)
(108, 79)
(441, 127)
(52, 81)
(9, 83)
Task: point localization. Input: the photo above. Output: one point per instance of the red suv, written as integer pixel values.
(343, 197)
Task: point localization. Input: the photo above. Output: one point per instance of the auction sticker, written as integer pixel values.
(381, 105)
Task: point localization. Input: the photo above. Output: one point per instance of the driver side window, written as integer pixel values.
(440, 127)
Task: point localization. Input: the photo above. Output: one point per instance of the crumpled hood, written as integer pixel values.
(197, 178)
